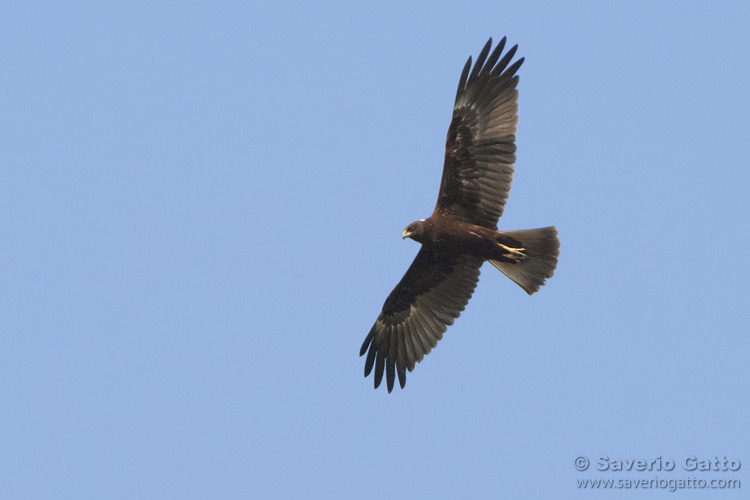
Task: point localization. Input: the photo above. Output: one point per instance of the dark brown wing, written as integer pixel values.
(479, 150)
(432, 293)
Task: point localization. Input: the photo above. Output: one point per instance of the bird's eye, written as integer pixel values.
(410, 228)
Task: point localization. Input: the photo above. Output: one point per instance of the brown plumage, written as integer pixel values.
(462, 232)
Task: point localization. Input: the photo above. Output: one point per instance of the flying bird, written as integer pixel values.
(462, 231)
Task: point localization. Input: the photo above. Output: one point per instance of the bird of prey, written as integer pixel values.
(462, 231)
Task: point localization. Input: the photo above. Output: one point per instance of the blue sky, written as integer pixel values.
(201, 208)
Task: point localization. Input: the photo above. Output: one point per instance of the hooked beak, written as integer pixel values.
(405, 234)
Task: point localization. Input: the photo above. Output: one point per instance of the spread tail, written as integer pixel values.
(540, 248)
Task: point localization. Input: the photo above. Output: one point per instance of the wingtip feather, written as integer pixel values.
(390, 374)
(462, 79)
(480, 60)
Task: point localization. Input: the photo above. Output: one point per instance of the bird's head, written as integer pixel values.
(415, 230)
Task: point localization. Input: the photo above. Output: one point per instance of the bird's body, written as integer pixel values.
(462, 234)
(450, 235)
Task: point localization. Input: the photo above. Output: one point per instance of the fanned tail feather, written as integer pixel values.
(541, 247)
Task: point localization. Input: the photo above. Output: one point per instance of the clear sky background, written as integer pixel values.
(201, 208)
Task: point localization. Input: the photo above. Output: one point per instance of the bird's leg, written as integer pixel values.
(511, 254)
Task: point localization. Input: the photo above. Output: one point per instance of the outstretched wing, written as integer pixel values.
(432, 293)
(480, 148)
